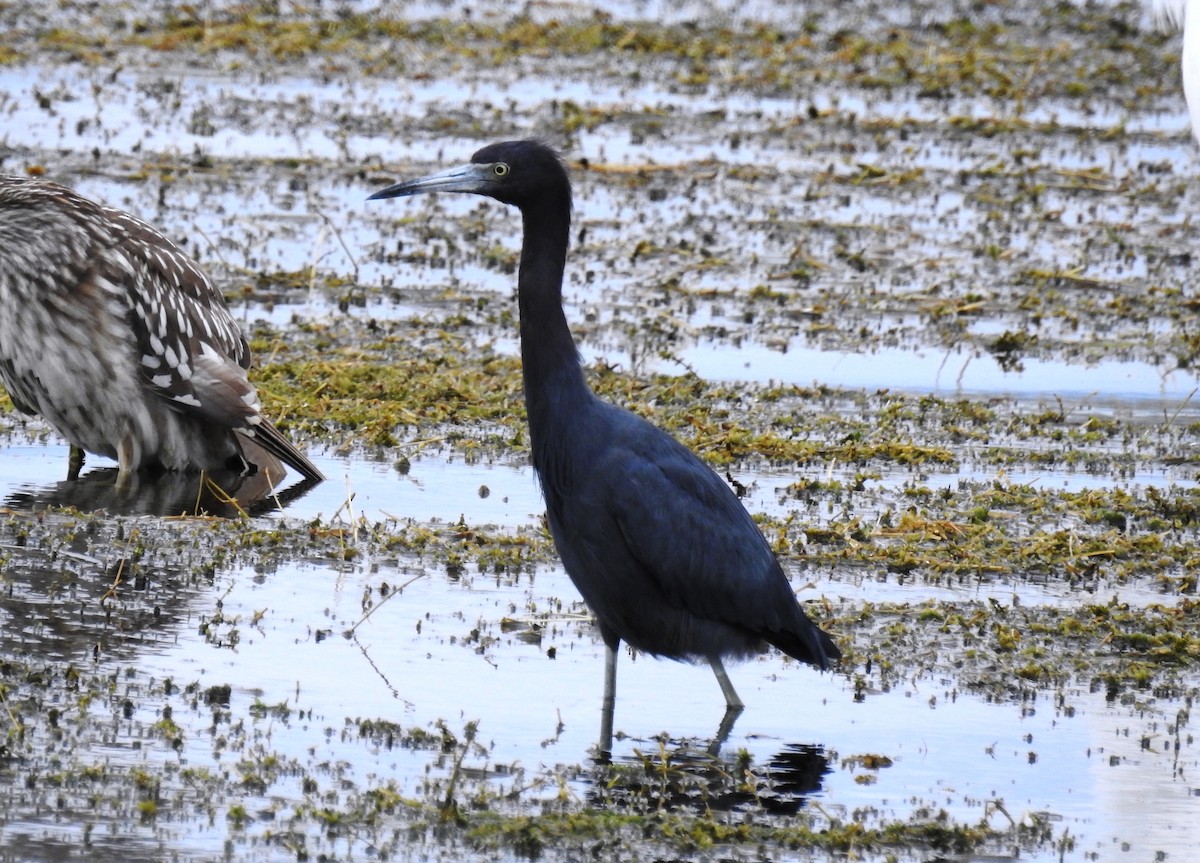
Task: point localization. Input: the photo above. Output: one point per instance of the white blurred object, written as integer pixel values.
(1185, 15)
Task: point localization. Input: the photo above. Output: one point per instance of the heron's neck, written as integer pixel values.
(554, 384)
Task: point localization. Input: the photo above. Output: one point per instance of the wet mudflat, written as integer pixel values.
(919, 279)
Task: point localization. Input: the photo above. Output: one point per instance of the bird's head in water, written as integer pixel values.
(513, 172)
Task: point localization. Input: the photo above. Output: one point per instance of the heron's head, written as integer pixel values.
(521, 173)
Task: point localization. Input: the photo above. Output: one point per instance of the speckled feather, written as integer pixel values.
(119, 340)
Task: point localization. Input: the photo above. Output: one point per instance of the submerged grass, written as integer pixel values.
(381, 382)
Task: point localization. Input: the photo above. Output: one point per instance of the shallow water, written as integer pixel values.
(950, 753)
(1105, 773)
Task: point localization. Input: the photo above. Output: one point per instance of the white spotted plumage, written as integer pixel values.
(120, 341)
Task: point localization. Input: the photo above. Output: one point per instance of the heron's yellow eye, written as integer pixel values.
(500, 169)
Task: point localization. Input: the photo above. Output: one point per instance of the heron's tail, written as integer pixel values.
(810, 644)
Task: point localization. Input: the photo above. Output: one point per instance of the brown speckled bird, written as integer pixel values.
(113, 335)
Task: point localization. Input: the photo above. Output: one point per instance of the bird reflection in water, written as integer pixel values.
(681, 774)
(224, 494)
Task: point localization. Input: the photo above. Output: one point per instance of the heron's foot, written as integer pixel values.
(75, 463)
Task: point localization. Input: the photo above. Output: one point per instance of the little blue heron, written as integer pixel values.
(1184, 15)
(661, 549)
(122, 343)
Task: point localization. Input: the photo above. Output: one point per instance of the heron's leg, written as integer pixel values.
(74, 462)
(126, 462)
(608, 705)
(731, 696)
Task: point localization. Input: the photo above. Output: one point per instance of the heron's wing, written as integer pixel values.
(192, 352)
(18, 387)
(693, 537)
(682, 527)
(57, 317)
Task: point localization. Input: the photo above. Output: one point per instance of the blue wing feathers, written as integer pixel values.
(646, 520)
